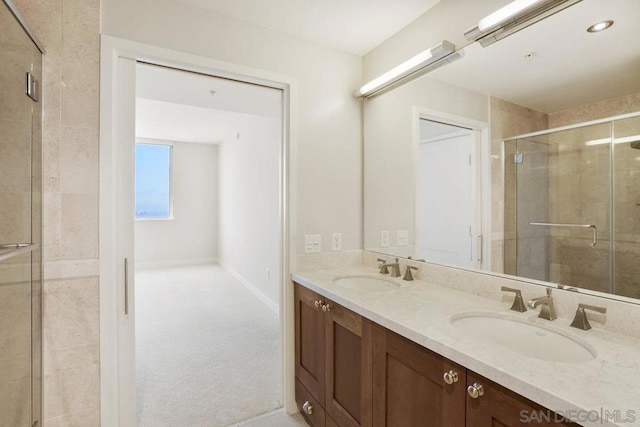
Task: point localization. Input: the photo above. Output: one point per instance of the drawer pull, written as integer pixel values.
(450, 377)
(318, 303)
(307, 408)
(475, 391)
(326, 307)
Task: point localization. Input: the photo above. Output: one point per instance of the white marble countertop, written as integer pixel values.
(422, 312)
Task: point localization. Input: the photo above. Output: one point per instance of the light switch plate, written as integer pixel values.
(403, 237)
(312, 244)
(384, 239)
(336, 242)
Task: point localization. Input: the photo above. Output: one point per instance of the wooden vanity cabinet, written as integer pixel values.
(333, 362)
(409, 387)
(348, 367)
(499, 406)
(309, 345)
(353, 373)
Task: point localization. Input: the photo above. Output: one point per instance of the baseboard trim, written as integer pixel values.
(251, 287)
(174, 263)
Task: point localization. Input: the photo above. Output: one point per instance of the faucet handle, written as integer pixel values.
(518, 302)
(407, 273)
(581, 321)
(601, 310)
(383, 266)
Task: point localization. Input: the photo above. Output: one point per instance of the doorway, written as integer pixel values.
(206, 254)
(451, 215)
(118, 258)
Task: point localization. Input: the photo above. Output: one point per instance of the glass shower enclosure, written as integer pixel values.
(572, 206)
(20, 223)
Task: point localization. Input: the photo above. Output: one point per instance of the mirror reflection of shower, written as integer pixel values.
(571, 207)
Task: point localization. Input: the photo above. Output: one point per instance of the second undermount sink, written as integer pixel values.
(524, 338)
(366, 283)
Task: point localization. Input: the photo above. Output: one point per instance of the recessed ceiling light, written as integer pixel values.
(600, 26)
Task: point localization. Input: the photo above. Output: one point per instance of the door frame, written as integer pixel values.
(115, 53)
(482, 152)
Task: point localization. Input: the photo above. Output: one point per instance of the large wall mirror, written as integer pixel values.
(503, 161)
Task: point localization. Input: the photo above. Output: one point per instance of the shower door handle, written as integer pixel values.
(16, 249)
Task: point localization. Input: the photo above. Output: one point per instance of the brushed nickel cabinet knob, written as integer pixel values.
(307, 408)
(318, 303)
(450, 377)
(326, 307)
(475, 391)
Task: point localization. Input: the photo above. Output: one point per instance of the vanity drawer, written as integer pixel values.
(305, 400)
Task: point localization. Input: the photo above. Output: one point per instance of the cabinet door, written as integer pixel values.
(409, 387)
(348, 367)
(499, 406)
(310, 336)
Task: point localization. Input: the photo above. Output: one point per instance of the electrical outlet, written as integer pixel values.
(312, 244)
(336, 242)
(384, 239)
(403, 238)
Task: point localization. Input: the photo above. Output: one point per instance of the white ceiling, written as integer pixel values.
(176, 105)
(571, 67)
(354, 26)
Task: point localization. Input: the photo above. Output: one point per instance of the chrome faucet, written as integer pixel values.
(384, 267)
(518, 302)
(581, 321)
(548, 310)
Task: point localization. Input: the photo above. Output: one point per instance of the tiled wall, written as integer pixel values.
(599, 110)
(627, 198)
(69, 30)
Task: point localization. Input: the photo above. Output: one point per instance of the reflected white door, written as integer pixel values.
(446, 208)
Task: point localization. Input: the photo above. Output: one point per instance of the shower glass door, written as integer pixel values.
(561, 213)
(627, 207)
(20, 228)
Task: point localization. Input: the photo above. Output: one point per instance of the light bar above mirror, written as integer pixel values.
(514, 17)
(422, 63)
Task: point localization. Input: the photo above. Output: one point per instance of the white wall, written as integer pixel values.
(390, 150)
(191, 236)
(328, 141)
(249, 231)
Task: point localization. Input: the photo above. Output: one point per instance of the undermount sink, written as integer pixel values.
(523, 338)
(366, 283)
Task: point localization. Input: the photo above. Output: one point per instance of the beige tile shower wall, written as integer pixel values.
(599, 110)
(69, 30)
(507, 119)
(627, 197)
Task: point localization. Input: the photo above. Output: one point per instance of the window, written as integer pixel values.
(153, 181)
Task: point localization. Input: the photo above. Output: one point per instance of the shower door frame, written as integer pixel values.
(604, 120)
(117, 103)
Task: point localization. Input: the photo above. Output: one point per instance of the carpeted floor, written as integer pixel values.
(207, 350)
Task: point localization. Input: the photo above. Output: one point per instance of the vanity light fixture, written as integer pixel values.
(600, 26)
(417, 66)
(514, 17)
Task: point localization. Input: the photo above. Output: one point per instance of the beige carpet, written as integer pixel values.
(207, 350)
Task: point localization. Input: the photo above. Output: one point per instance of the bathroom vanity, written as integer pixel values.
(396, 356)
(353, 372)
